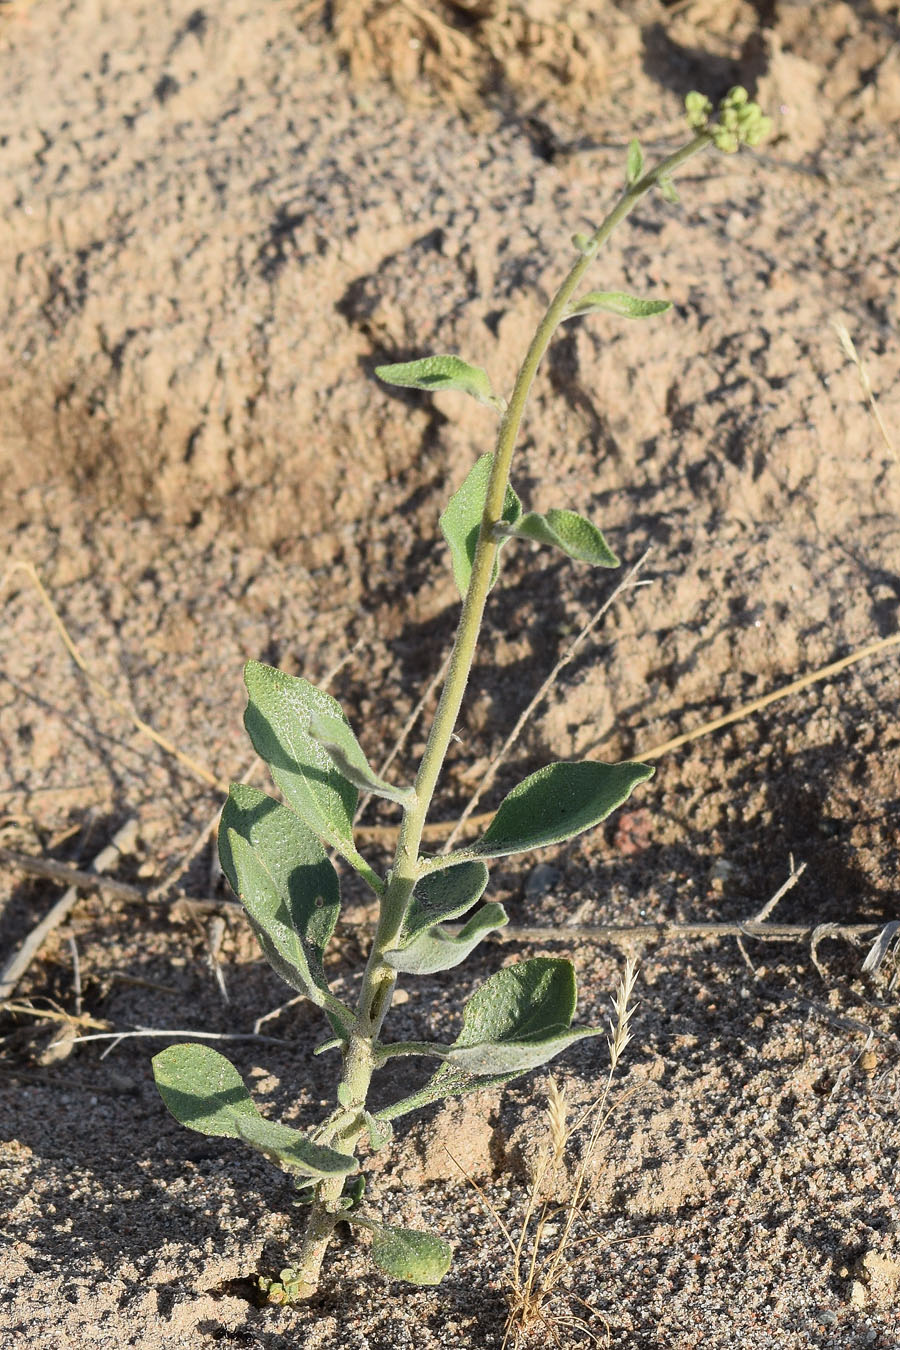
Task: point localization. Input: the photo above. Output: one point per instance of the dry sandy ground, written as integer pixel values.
(213, 227)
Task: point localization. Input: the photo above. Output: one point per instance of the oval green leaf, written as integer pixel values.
(204, 1091)
(520, 1018)
(668, 190)
(461, 521)
(439, 372)
(291, 893)
(556, 803)
(277, 719)
(616, 302)
(443, 895)
(406, 1254)
(568, 531)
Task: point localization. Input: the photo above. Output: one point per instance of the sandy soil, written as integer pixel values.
(215, 223)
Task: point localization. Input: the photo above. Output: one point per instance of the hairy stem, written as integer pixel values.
(360, 1056)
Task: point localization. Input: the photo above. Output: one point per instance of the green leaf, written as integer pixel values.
(435, 949)
(204, 1091)
(568, 531)
(520, 1018)
(461, 520)
(635, 163)
(354, 1191)
(440, 372)
(406, 1254)
(381, 1132)
(556, 803)
(667, 188)
(423, 948)
(285, 882)
(616, 302)
(336, 736)
(443, 895)
(277, 720)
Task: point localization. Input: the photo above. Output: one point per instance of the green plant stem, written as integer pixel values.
(379, 979)
(482, 567)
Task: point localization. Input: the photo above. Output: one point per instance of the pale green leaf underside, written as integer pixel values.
(518, 1019)
(556, 803)
(439, 372)
(277, 720)
(434, 949)
(517, 1056)
(568, 531)
(407, 1254)
(204, 1091)
(291, 893)
(616, 302)
(336, 736)
(461, 521)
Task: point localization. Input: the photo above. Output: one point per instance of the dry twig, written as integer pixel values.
(623, 934)
(12, 972)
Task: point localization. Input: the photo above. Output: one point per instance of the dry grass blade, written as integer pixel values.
(849, 349)
(437, 829)
(547, 1235)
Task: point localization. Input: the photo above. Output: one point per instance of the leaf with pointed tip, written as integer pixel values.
(668, 190)
(277, 720)
(204, 1091)
(291, 893)
(568, 531)
(556, 803)
(380, 1132)
(520, 1018)
(336, 736)
(635, 163)
(440, 372)
(441, 896)
(615, 302)
(407, 1254)
(461, 521)
(435, 949)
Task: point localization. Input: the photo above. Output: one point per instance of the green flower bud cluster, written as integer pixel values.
(740, 122)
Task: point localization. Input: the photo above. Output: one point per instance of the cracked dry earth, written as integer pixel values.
(215, 222)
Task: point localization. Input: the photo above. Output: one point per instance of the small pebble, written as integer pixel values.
(541, 879)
